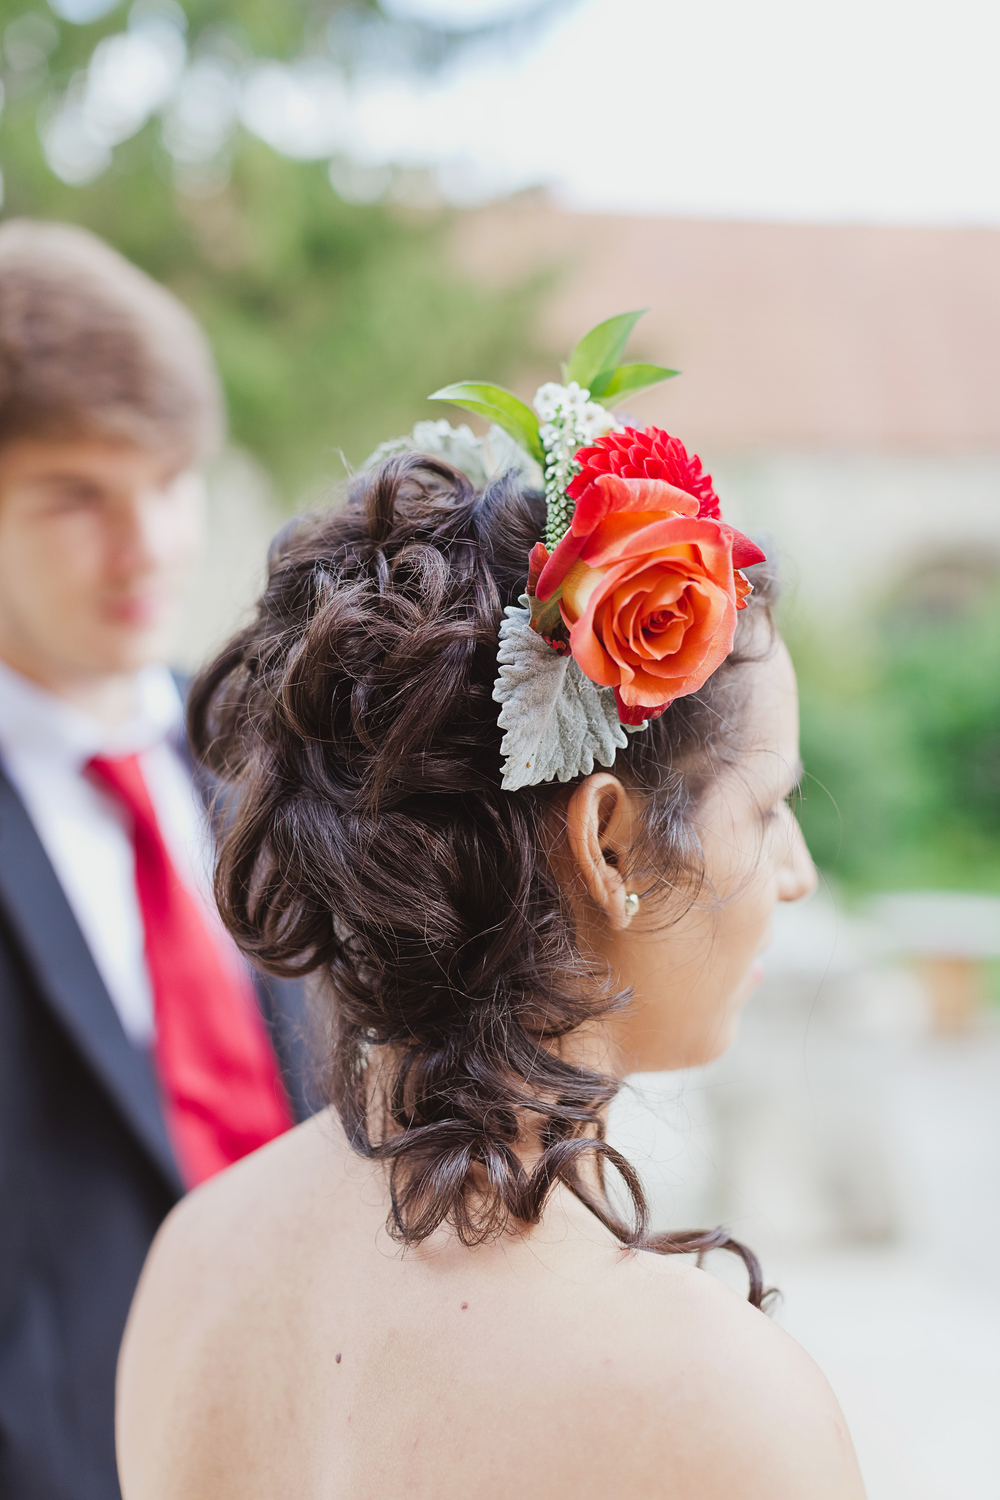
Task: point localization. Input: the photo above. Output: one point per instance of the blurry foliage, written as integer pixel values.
(901, 744)
(331, 321)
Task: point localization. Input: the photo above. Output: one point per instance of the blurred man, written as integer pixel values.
(135, 1059)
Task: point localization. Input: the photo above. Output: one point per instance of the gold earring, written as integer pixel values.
(631, 904)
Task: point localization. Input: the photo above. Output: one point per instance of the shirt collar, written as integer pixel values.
(33, 719)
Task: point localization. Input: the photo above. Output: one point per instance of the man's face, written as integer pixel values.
(97, 539)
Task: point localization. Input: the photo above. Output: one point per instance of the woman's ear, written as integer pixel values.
(599, 826)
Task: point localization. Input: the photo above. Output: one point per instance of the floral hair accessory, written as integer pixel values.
(479, 458)
(631, 599)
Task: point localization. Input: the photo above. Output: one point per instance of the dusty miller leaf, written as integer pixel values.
(556, 721)
(459, 445)
(504, 454)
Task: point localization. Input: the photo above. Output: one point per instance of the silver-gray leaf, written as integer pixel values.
(557, 722)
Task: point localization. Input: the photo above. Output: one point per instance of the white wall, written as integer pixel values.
(850, 525)
(243, 515)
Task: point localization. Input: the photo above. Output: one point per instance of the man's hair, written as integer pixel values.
(90, 346)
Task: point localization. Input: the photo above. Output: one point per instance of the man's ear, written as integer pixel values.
(599, 826)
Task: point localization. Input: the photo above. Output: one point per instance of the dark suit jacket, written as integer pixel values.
(86, 1176)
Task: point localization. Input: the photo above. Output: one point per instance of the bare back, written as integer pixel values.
(282, 1345)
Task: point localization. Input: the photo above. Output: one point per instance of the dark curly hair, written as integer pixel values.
(367, 837)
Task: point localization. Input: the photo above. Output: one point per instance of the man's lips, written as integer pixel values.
(138, 609)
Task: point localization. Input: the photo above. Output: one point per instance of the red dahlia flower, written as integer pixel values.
(652, 454)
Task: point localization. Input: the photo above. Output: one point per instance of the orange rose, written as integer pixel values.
(646, 590)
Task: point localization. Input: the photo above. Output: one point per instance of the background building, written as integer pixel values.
(302, 177)
(843, 382)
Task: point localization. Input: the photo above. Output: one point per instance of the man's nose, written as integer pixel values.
(142, 533)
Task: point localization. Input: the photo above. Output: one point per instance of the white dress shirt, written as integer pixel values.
(44, 745)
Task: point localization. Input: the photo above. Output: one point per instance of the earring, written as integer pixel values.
(631, 904)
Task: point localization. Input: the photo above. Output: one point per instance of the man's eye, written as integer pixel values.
(73, 497)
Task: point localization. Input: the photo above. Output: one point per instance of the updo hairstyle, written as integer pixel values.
(367, 840)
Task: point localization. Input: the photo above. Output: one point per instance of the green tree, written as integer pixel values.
(901, 744)
(331, 320)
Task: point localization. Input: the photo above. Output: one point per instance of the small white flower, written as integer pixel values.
(569, 421)
(596, 420)
(576, 397)
(548, 399)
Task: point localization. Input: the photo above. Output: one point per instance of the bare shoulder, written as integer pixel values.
(212, 1259)
(601, 1370)
(221, 1233)
(730, 1404)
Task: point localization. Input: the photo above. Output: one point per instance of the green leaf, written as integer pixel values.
(547, 618)
(595, 357)
(499, 406)
(628, 380)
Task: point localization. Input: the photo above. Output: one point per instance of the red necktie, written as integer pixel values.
(222, 1091)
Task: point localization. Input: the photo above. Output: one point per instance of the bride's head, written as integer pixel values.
(495, 959)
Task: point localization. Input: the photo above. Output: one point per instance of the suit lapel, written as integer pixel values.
(283, 1005)
(68, 978)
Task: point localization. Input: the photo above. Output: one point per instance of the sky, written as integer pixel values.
(864, 111)
(867, 110)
